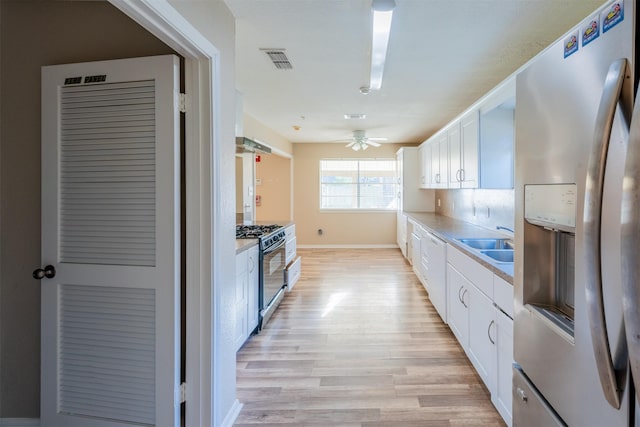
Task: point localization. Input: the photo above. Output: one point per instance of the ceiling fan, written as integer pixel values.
(360, 141)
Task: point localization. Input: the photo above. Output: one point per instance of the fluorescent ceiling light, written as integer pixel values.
(382, 14)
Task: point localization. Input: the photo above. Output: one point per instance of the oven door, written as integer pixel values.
(273, 265)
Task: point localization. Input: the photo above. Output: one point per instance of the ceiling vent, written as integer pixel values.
(279, 58)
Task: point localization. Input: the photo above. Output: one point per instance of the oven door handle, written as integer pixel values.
(275, 248)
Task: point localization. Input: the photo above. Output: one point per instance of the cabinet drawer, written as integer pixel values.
(292, 273)
(472, 270)
(290, 249)
(290, 231)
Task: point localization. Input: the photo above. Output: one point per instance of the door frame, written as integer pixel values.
(203, 163)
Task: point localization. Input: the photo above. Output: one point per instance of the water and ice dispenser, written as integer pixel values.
(549, 252)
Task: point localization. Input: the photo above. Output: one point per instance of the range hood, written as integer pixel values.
(246, 145)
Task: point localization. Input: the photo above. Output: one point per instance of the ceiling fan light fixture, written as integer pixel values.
(382, 16)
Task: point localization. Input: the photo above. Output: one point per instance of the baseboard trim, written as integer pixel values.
(20, 422)
(232, 415)
(384, 246)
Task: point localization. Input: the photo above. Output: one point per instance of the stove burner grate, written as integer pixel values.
(254, 231)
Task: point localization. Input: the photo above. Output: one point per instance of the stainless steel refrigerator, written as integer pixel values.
(577, 264)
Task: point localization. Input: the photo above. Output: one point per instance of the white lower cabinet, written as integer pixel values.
(246, 307)
(478, 306)
(501, 394)
(458, 307)
(482, 330)
(253, 276)
(401, 232)
(241, 299)
(435, 258)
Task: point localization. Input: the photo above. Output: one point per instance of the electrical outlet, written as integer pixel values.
(438, 202)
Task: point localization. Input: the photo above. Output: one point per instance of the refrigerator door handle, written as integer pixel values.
(630, 242)
(592, 230)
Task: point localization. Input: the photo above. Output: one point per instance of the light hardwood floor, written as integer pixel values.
(357, 343)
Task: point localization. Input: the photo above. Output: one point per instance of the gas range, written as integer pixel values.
(272, 257)
(255, 231)
(270, 234)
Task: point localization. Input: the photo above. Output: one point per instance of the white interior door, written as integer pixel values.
(110, 228)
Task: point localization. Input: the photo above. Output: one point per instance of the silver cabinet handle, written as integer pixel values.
(592, 229)
(459, 297)
(437, 178)
(630, 242)
(489, 332)
(463, 294)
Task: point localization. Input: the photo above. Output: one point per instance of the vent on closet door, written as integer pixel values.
(108, 174)
(100, 376)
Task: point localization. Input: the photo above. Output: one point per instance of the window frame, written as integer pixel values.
(358, 184)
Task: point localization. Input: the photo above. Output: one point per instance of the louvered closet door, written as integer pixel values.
(110, 206)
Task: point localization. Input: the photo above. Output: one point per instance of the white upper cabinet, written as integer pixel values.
(469, 144)
(439, 160)
(497, 138)
(424, 157)
(455, 155)
(463, 152)
(410, 196)
(476, 149)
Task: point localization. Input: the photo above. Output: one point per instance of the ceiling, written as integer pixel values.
(442, 57)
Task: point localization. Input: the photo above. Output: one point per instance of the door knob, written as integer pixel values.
(49, 272)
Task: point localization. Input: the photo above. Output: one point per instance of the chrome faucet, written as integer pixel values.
(499, 227)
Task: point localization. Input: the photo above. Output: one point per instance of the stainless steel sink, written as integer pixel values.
(488, 243)
(499, 255)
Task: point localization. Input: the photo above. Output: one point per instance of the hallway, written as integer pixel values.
(357, 343)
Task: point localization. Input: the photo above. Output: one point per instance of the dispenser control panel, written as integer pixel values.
(551, 205)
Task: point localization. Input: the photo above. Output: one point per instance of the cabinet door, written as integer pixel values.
(401, 233)
(434, 181)
(252, 289)
(455, 156)
(241, 299)
(443, 154)
(415, 251)
(468, 177)
(422, 167)
(436, 274)
(482, 335)
(457, 310)
(425, 162)
(501, 395)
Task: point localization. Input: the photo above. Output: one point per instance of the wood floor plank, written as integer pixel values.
(357, 343)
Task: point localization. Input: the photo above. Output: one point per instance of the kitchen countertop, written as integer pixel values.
(450, 229)
(244, 244)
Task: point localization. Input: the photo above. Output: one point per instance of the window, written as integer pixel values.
(358, 184)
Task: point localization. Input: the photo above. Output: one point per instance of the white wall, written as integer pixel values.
(339, 228)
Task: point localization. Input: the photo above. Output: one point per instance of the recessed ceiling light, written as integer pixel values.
(355, 116)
